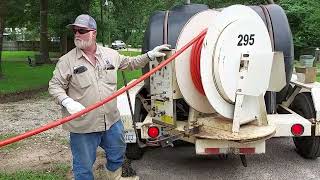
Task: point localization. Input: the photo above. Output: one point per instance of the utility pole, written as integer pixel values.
(188, 2)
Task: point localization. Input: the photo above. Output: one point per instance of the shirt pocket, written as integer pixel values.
(82, 80)
(110, 77)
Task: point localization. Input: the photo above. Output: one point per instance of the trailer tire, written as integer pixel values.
(133, 151)
(307, 147)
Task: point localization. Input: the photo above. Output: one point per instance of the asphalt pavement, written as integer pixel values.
(280, 162)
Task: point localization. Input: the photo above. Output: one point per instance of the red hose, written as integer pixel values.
(195, 65)
(98, 104)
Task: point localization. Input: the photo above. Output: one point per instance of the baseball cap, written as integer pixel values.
(84, 20)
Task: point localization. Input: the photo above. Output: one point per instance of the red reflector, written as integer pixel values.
(297, 129)
(212, 151)
(153, 132)
(247, 150)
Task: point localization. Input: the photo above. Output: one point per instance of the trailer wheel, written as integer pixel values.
(307, 147)
(133, 151)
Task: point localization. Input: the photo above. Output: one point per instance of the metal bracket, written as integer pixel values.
(296, 90)
(315, 92)
(168, 140)
(190, 131)
(145, 104)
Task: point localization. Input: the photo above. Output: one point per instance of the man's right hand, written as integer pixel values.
(72, 105)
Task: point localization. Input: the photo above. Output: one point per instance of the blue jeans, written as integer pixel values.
(84, 148)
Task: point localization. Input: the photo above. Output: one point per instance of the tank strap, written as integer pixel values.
(165, 27)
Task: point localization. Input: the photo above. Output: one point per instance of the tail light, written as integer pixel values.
(297, 129)
(153, 131)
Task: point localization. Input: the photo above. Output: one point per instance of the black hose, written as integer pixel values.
(140, 144)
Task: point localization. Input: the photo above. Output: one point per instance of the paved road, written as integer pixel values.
(129, 49)
(280, 162)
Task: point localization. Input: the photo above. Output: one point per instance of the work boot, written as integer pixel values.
(117, 175)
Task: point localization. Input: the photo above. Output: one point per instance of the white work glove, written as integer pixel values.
(72, 105)
(156, 52)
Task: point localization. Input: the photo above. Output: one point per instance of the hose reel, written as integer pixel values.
(234, 31)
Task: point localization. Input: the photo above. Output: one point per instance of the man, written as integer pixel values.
(86, 75)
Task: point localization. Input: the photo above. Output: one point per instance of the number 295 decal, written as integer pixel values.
(246, 39)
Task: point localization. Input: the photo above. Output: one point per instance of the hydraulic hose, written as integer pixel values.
(98, 104)
(195, 65)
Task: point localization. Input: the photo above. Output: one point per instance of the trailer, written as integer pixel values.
(228, 93)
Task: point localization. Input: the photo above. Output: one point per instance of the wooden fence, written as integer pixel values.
(28, 46)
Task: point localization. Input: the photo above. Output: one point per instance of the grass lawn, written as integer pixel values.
(22, 55)
(57, 171)
(20, 77)
(130, 53)
(129, 75)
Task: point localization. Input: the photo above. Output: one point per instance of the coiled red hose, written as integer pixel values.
(98, 104)
(195, 65)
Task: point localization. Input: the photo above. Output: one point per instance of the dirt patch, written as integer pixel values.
(40, 153)
(18, 96)
(37, 152)
(44, 150)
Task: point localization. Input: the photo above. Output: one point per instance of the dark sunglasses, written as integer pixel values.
(81, 31)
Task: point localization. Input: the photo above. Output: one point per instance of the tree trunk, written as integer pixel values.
(44, 43)
(3, 12)
(63, 43)
(270, 1)
(86, 6)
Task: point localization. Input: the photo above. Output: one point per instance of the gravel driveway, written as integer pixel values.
(18, 117)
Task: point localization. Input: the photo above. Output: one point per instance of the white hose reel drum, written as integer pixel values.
(192, 28)
(234, 31)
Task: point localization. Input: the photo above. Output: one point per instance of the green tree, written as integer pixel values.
(62, 13)
(7, 9)
(304, 19)
(127, 20)
(3, 13)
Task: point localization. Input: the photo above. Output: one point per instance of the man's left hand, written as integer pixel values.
(156, 52)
